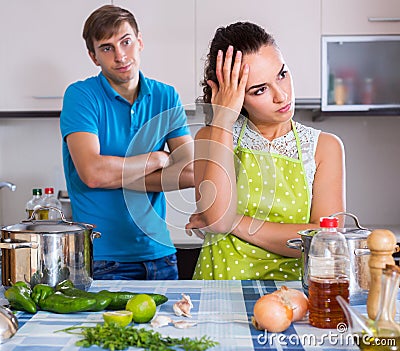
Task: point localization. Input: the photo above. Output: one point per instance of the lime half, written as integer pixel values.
(142, 307)
(122, 318)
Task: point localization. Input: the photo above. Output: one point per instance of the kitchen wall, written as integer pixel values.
(30, 156)
(372, 149)
(30, 149)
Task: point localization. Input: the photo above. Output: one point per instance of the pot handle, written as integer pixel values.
(18, 245)
(362, 252)
(350, 215)
(33, 215)
(296, 244)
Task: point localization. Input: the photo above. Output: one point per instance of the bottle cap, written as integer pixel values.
(36, 191)
(49, 190)
(329, 222)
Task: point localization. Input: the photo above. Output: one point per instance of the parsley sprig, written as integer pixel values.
(114, 337)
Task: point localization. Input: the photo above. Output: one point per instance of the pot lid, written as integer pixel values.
(349, 233)
(47, 227)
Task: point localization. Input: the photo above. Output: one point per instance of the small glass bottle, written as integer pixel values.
(328, 275)
(384, 323)
(49, 200)
(368, 91)
(340, 92)
(349, 84)
(33, 203)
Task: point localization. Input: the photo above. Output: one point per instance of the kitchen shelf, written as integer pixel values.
(30, 114)
(314, 105)
(321, 115)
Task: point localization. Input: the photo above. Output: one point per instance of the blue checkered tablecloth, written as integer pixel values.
(222, 310)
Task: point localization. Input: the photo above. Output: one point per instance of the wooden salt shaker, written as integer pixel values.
(382, 244)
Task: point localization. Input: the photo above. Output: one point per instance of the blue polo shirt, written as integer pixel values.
(132, 224)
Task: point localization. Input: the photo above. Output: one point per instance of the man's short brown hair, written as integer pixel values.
(104, 22)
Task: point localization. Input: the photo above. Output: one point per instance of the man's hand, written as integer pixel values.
(196, 225)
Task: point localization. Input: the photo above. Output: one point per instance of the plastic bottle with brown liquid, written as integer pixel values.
(328, 276)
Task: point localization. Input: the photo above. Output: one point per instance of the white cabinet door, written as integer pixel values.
(169, 46)
(42, 52)
(294, 24)
(357, 17)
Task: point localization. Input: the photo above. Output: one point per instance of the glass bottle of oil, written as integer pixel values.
(328, 275)
(33, 203)
(50, 200)
(387, 331)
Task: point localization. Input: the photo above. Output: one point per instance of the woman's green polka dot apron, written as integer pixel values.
(270, 187)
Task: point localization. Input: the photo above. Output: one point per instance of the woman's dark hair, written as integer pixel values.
(243, 36)
(104, 22)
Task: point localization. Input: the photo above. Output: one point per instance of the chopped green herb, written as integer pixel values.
(114, 337)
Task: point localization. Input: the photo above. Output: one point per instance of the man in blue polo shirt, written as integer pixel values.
(115, 127)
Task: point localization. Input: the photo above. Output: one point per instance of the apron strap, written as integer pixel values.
(242, 130)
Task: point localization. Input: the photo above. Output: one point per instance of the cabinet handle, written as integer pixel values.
(48, 97)
(383, 19)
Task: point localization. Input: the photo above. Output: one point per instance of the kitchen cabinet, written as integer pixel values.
(42, 52)
(169, 43)
(357, 77)
(358, 17)
(45, 52)
(294, 24)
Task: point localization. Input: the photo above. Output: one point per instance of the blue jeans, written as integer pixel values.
(164, 268)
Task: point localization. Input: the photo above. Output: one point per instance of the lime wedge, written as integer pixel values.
(122, 318)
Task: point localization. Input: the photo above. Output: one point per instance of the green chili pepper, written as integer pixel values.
(68, 288)
(19, 296)
(60, 303)
(41, 292)
(121, 298)
(102, 301)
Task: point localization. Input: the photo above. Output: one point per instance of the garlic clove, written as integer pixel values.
(184, 324)
(161, 321)
(183, 307)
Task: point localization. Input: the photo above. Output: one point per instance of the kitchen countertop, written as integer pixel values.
(222, 309)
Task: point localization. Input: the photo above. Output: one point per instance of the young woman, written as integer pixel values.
(260, 177)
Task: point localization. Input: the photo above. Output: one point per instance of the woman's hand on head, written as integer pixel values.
(228, 95)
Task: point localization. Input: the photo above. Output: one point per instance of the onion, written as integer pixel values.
(272, 313)
(297, 299)
(275, 312)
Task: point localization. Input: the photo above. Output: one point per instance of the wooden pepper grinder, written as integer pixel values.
(382, 244)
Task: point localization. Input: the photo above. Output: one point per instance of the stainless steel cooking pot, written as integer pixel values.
(48, 252)
(356, 239)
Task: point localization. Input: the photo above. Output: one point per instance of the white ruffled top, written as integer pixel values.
(285, 145)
